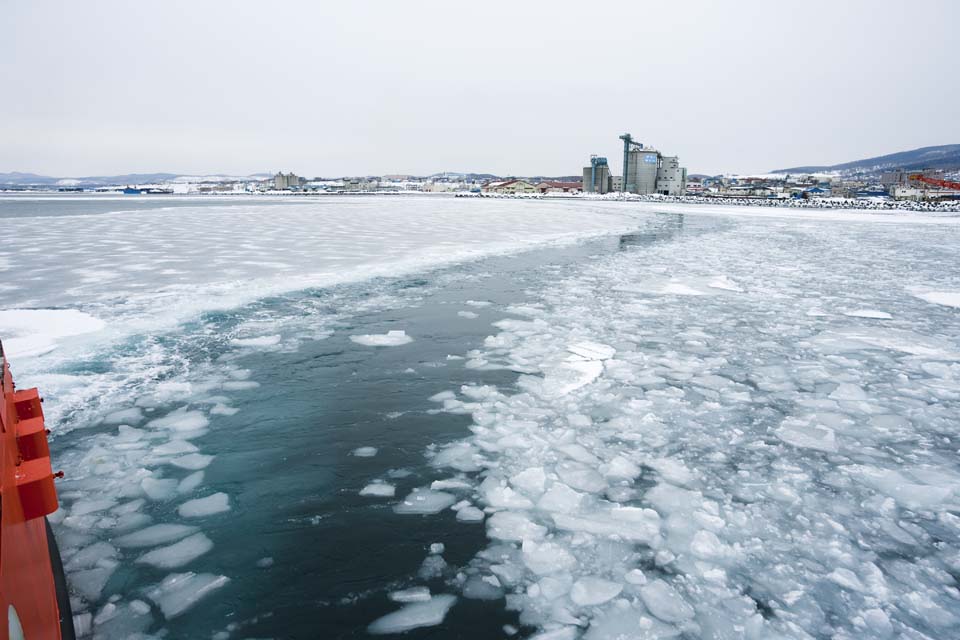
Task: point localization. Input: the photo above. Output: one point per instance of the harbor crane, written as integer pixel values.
(943, 184)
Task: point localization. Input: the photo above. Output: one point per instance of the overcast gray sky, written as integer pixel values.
(346, 88)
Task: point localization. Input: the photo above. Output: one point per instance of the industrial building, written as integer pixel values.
(646, 170)
(596, 177)
(283, 181)
(671, 177)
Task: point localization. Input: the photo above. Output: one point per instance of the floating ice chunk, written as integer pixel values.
(579, 453)
(207, 506)
(571, 376)
(725, 283)
(555, 585)
(582, 477)
(664, 602)
(129, 507)
(91, 556)
(390, 339)
(454, 484)
(846, 579)
(563, 633)
(220, 409)
(125, 416)
(425, 501)
(414, 616)
(706, 544)
(627, 523)
(470, 514)
(908, 493)
(507, 525)
(868, 313)
(560, 497)
(635, 576)
(239, 385)
(531, 481)
(548, 557)
(432, 567)
(633, 623)
(500, 497)
(437, 548)
(470, 315)
(180, 591)
(179, 553)
(379, 490)
(590, 590)
(620, 467)
(83, 507)
(82, 624)
(671, 470)
(847, 391)
(461, 456)
(478, 303)
(192, 461)
(413, 594)
(680, 289)
(123, 620)
(154, 535)
(190, 483)
(32, 332)
(89, 583)
(174, 447)
(127, 434)
(365, 452)
(807, 436)
(265, 563)
(482, 588)
(592, 350)
(945, 298)
(877, 620)
(262, 341)
(181, 420)
(158, 489)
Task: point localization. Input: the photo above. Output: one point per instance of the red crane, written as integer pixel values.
(943, 184)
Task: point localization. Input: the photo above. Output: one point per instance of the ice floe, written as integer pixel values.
(414, 615)
(180, 591)
(207, 506)
(378, 490)
(692, 455)
(425, 501)
(393, 338)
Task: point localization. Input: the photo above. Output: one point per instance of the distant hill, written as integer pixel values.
(17, 179)
(943, 157)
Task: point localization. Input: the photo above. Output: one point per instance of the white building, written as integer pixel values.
(671, 177)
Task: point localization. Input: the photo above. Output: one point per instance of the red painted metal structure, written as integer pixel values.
(943, 184)
(33, 594)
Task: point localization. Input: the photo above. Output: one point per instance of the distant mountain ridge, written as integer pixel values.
(945, 157)
(19, 179)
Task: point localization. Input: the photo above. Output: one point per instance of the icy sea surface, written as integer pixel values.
(476, 419)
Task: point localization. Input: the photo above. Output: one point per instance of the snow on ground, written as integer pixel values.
(776, 458)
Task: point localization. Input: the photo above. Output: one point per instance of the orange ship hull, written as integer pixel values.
(33, 594)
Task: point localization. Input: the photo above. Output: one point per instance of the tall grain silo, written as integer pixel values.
(642, 171)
